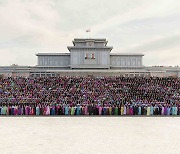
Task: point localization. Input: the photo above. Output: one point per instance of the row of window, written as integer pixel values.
(51, 62)
(58, 74)
(126, 61)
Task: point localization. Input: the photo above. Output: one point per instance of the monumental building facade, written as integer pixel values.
(90, 54)
(89, 57)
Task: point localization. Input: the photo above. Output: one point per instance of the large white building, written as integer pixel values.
(90, 54)
(89, 57)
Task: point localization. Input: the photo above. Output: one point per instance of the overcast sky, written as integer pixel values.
(151, 27)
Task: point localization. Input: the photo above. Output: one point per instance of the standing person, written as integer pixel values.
(86, 109)
(78, 110)
(113, 110)
(90, 109)
(9, 109)
(116, 110)
(168, 110)
(26, 110)
(15, 110)
(83, 110)
(0, 109)
(142, 109)
(7, 112)
(44, 109)
(159, 109)
(110, 110)
(151, 110)
(53, 109)
(131, 110)
(37, 110)
(50, 106)
(69, 110)
(145, 110)
(148, 110)
(66, 110)
(100, 110)
(58, 109)
(47, 110)
(119, 108)
(127, 108)
(175, 110)
(41, 109)
(155, 110)
(135, 110)
(75, 109)
(97, 109)
(39, 105)
(165, 110)
(162, 110)
(12, 110)
(4, 110)
(61, 110)
(104, 110)
(32, 110)
(178, 106)
(124, 110)
(139, 110)
(172, 109)
(107, 110)
(19, 110)
(72, 110)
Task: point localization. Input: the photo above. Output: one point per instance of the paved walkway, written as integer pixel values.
(121, 135)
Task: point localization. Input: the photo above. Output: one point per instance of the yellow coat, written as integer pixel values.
(148, 110)
(122, 110)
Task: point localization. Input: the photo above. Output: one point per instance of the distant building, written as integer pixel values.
(89, 57)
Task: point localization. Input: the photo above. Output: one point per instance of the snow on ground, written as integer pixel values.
(81, 135)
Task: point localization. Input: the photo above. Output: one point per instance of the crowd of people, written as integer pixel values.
(89, 96)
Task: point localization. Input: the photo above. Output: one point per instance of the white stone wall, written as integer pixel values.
(79, 44)
(102, 58)
(96, 44)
